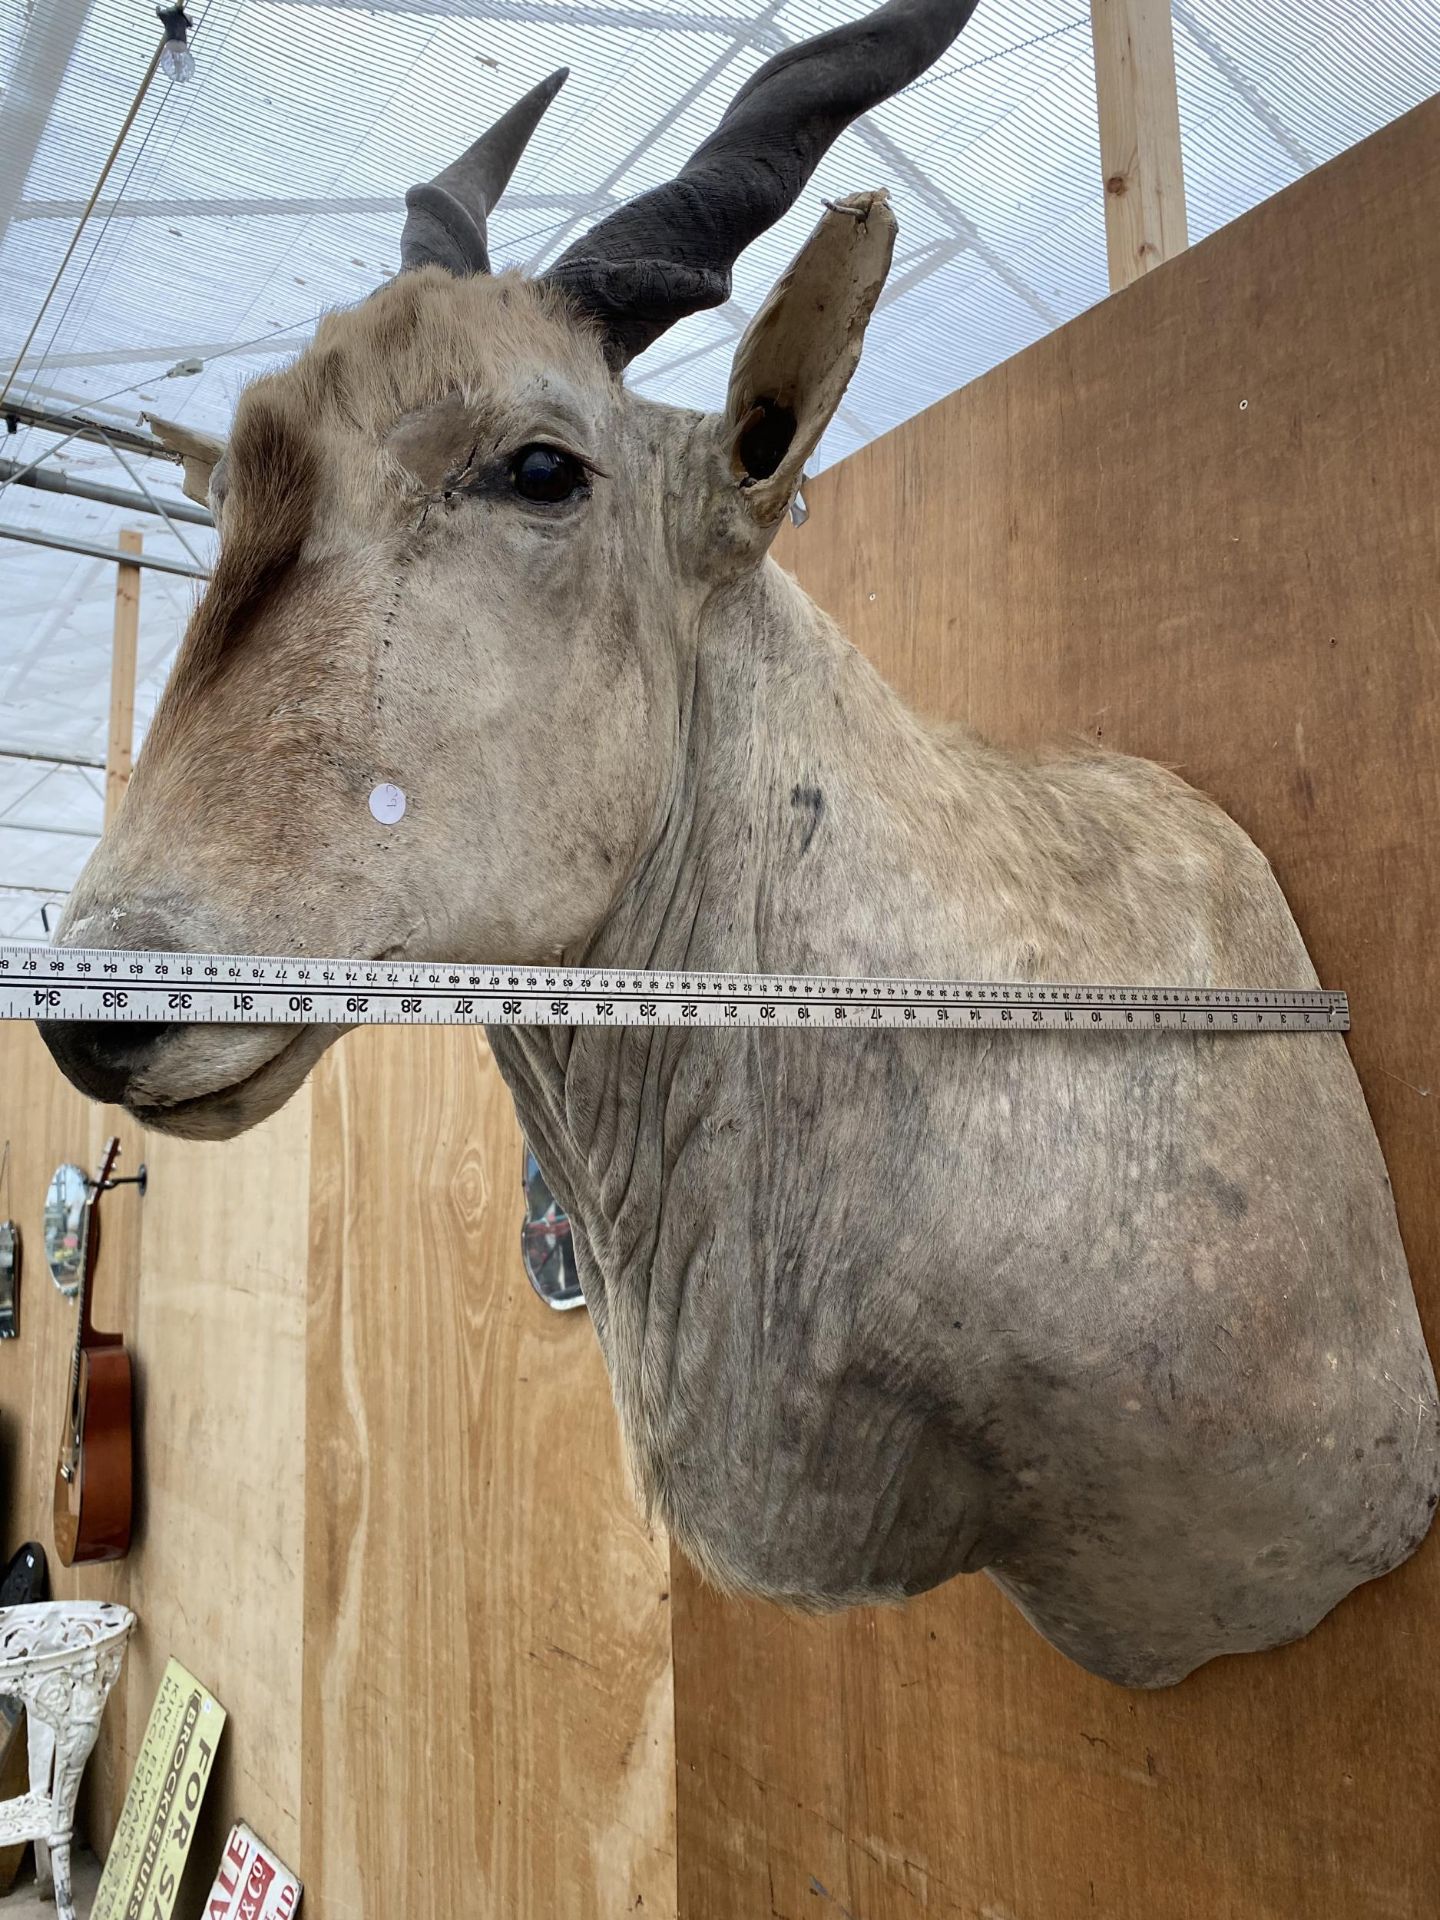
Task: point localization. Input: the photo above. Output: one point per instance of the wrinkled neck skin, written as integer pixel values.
(760, 706)
(697, 1166)
(788, 840)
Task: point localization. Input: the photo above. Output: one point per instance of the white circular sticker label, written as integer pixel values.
(387, 803)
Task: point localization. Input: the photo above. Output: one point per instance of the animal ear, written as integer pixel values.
(199, 454)
(799, 351)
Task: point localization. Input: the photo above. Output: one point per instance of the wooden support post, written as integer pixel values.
(122, 677)
(118, 1275)
(1139, 135)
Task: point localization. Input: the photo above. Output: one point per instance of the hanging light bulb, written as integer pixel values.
(177, 63)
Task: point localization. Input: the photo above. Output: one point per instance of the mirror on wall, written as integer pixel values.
(9, 1260)
(546, 1245)
(65, 1228)
(9, 1280)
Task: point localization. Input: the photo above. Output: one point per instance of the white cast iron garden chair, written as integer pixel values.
(59, 1658)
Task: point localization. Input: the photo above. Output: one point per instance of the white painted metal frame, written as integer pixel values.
(60, 1658)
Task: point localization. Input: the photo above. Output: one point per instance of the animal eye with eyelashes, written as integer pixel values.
(548, 475)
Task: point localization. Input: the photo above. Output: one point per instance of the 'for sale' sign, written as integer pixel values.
(157, 1824)
(252, 1883)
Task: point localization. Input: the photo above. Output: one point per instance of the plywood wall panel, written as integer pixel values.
(488, 1718)
(217, 1568)
(1201, 524)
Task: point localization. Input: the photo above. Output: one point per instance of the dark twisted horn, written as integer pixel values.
(445, 217)
(669, 252)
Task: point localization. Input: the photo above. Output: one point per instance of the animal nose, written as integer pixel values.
(102, 1057)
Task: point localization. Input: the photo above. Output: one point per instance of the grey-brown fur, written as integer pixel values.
(1125, 1323)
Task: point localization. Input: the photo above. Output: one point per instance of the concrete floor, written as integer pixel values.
(24, 1903)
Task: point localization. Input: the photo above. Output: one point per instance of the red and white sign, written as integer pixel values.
(252, 1883)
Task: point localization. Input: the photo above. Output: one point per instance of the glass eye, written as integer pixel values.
(546, 474)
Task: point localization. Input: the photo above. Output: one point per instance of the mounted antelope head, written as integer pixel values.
(877, 1310)
(458, 557)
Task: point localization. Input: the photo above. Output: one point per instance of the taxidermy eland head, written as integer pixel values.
(458, 558)
(1126, 1324)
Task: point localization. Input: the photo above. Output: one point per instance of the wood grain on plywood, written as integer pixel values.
(488, 1722)
(1198, 524)
(217, 1568)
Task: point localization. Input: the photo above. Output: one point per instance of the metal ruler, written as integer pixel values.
(43, 983)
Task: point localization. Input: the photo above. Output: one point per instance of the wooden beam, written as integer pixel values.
(119, 749)
(1139, 136)
(118, 1276)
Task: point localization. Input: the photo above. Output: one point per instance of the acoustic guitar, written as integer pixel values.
(93, 1482)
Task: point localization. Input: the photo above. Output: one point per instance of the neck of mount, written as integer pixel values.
(804, 830)
(789, 839)
(797, 835)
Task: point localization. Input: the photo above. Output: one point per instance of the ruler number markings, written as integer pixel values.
(92, 984)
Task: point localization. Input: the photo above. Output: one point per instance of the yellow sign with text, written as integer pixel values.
(172, 1771)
